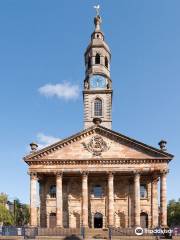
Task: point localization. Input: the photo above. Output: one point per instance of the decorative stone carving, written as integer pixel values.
(164, 171)
(33, 175)
(96, 146)
(86, 85)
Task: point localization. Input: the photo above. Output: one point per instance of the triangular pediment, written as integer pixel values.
(98, 142)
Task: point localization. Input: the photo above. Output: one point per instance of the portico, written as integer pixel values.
(96, 201)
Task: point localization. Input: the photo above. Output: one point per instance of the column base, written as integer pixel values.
(164, 226)
(59, 226)
(135, 226)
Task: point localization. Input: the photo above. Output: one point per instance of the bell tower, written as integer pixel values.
(97, 93)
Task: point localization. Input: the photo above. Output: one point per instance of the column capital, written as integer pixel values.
(154, 178)
(84, 173)
(137, 172)
(59, 174)
(110, 173)
(164, 172)
(33, 175)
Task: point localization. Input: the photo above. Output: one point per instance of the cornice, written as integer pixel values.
(102, 45)
(95, 161)
(97, 91)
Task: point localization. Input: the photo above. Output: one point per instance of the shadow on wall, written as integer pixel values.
(72, 237)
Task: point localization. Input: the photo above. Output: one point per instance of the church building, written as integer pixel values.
(98, 178)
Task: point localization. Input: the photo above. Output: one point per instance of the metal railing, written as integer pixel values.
(32, 232)
(79, 233)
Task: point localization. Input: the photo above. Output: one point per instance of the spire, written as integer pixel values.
(97, 19)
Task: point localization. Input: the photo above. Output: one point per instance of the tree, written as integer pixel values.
(3, 198)
(19, 217)
(21, 213)
(173, 211)
(5, 216)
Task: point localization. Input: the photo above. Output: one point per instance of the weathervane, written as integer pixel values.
(97, 7)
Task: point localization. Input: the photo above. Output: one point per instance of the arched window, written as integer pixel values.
(97, 191)
(52, 191)
(97, 107)
(97, 59)
(106, 62)
(143, 191)
(89, 62)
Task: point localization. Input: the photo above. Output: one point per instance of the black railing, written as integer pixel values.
(32, 232)
(79, 233)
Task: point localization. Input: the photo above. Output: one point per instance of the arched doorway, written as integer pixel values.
(98, 220)
(52, 220)
(144, 220)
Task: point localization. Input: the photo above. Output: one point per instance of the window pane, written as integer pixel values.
(52, 191)
(97, 191)
(98, 107)
(143, 191)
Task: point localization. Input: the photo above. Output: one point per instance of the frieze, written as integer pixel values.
(94, 161)
(96, 145)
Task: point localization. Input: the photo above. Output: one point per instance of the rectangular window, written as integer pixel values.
(143, 191)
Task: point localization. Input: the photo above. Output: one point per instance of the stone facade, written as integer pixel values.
(120, 168)
(106, 108)
(98, 178)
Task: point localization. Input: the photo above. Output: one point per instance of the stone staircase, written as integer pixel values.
(97, 233)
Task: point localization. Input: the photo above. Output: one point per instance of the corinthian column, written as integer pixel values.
(154, 201)
(42, 195)
(33, 195)
(111, 199)
(137, 199)
(85, 199)
(163, 200)
(59, 200)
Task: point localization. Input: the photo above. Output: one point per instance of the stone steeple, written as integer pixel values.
(97, 93)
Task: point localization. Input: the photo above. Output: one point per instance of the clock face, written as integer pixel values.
(97, 81)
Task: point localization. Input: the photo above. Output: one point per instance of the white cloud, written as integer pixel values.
(45, 140)
(60, 90)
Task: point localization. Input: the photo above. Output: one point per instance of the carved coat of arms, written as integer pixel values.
(96, 145)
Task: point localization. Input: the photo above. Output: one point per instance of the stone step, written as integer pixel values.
(58, 238)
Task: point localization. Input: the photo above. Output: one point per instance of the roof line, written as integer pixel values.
(100, 127)
(138, 142)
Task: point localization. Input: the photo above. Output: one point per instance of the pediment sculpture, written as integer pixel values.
(96, 145)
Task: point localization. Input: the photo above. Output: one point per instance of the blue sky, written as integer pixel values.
(42, 42)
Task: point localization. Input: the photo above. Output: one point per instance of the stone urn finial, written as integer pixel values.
(97, 121)
(33, 146)
(162, 145)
